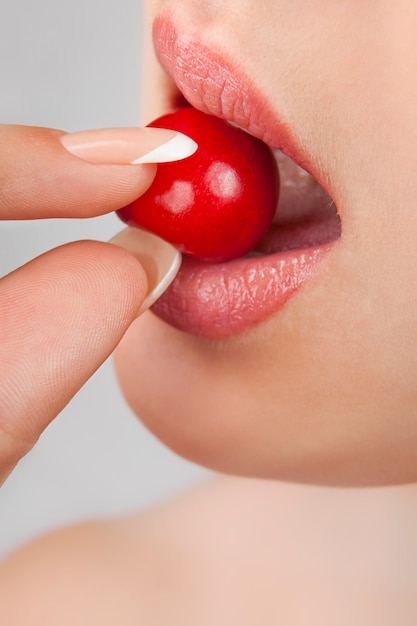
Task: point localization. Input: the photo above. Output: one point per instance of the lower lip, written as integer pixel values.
(225, 299)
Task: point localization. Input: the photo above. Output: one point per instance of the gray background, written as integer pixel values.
(75, 64)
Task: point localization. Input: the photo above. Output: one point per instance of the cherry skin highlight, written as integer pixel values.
(217, 204)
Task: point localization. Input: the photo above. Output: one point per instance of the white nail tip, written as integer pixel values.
(178, 148)
(163, 285)
(160, 260)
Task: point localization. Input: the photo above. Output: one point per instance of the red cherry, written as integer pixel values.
(216, 204)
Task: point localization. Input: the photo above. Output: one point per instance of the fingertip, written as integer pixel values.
(109, 188)
(42, 179)
(121, 279)
(61, 317)
(159, 259)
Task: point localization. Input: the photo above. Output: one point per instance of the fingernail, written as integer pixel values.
(160, 260)
(129, 145)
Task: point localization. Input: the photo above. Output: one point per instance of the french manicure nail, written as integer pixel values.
(129, 145)
(178, 147)
(160, 260)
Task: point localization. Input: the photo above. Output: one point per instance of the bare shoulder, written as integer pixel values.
(75, 576)
(231, 551)
(125, 571)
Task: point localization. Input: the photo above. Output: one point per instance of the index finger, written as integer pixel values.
(93, 174)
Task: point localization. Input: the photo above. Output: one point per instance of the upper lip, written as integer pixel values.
(213, 82)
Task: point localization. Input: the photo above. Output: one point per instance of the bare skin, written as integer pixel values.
(324, 392)
(235, 551)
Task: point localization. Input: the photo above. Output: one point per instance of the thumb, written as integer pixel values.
(61, 316)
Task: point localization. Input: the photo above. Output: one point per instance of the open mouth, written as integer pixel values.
(306, 216)
(224, 299)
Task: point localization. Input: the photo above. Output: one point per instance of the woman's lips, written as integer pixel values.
(214, 84)
(219, 300)
(225, 299)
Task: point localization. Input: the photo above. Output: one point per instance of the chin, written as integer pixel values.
(232, 406)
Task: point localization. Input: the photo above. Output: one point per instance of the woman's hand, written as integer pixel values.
(62, 314)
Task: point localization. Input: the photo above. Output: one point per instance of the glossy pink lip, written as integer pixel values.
(212, 83)
(220, 300)
(217, 301)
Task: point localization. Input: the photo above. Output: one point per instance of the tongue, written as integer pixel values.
(306, 215)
